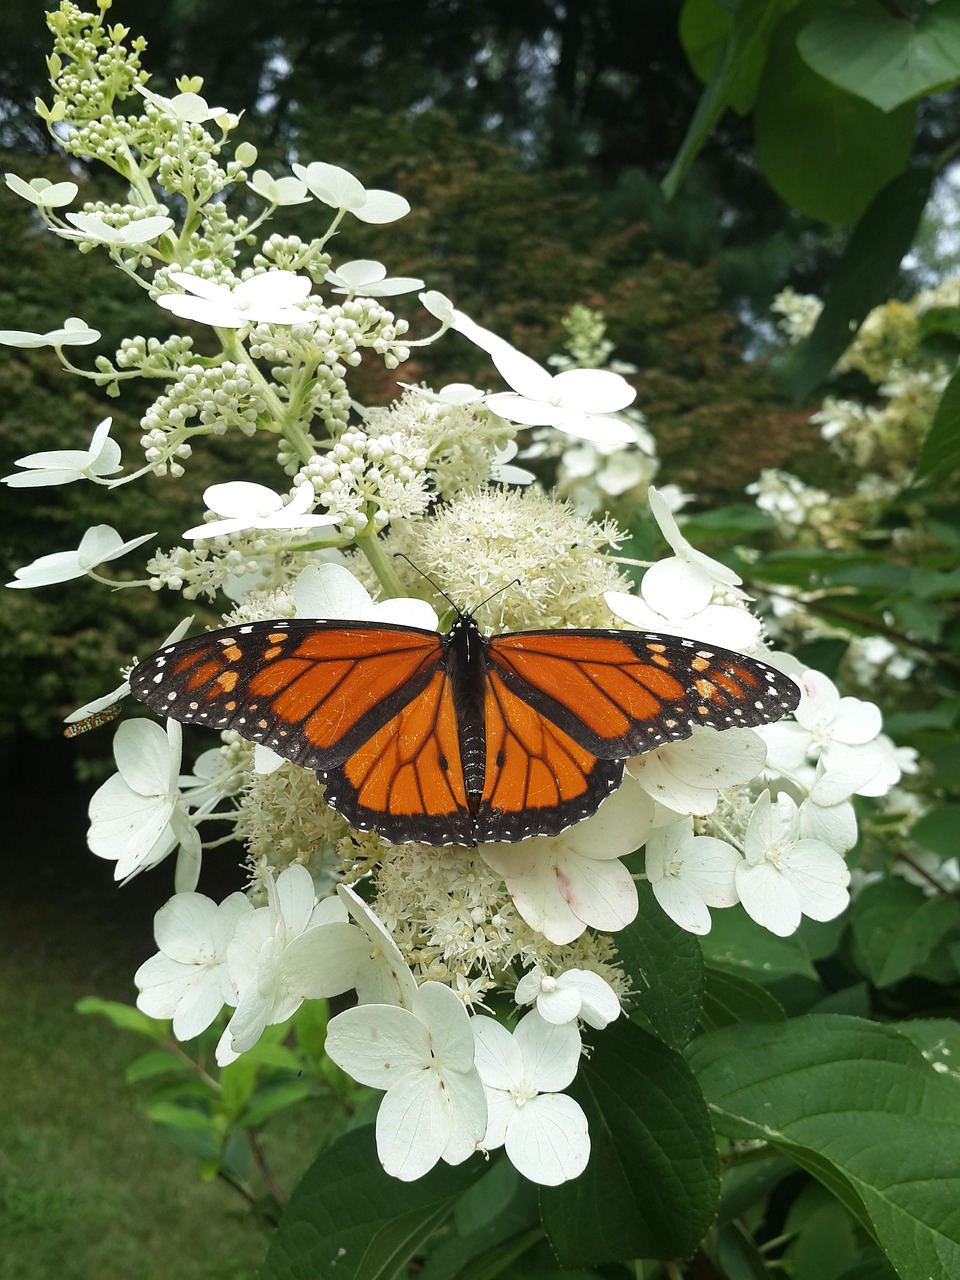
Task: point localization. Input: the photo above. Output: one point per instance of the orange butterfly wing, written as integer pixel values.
(621, 693)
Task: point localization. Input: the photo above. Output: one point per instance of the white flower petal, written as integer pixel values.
(560, 1005)
(769, 898)
(548, 1141)
(498, 1057)
(593, 390)
(451, 1037)
(378, 1044)
(599, 1005)
(682, 904)
(550, 1051)
(414, 1125)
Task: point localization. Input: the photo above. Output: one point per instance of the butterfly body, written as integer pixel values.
(458, 738)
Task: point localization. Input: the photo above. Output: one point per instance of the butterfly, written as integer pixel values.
(455, 737)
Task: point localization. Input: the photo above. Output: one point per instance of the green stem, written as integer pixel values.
(382, 566)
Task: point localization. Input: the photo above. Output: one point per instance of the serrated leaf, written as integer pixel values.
(940, 451)
(737, 944)
(729, 998)
(856, 1105)
(888, 58)
(348, 1218)
(865, 273)
(665, 968)
(733, 80)
(652, 1184)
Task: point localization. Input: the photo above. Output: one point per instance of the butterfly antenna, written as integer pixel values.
(499, 591)
(426, 576)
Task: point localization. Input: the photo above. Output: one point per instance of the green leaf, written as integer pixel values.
(733, 80)
(704, 29)
(865, 273)
(738, 945)
(270, 1099)
(826, 1239)
(652, 1184)
(896, 928)
(885, 56)
(665, 969)
(495, 1221)
(124, 1016)
(738, 1254)
(173, 1116)
(348, 1218)
(159, 1062)
(940, 451)
(823, 150)
(939, 830)
(730, 998)
(857, 1106)
(938, 1039)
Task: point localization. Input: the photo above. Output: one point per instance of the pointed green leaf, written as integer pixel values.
(348, 1220)
(823, 150)
(665, 969)
(124, 1016)
(885, 55)
(730, 998)
(857, 1106)
(865, 273)
(896, 928)
(940, 451)
(733, 80)
(737, 944)
(652, 1184)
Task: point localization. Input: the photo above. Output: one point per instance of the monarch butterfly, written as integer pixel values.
(95, 720)
(457, 738)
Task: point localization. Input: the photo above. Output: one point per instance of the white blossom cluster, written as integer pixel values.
(427, 938)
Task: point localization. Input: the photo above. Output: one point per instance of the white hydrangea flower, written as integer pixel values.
(369, 279)
(63, 466)
(98, 545)
(561, 884)
(501, 470)
(268, 982)
(686, 776)
(269, 298)
(577, 401)
(245, 506)
(841, 734)
(279, 191)
(187, 980)
(189, 108)
(138, 817)
(687, 571)
(728, 625)
(341, 190)
(74, 333)
(544, 1131)
(331, 591)
(785, 875)
(138, 232)
(434, 1106)
(42, 192)
(575, 993)
(690, 873)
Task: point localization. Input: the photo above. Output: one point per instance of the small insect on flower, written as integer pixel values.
(96, 720)
(458, 738)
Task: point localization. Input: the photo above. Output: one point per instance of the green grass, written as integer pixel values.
(87, 1192)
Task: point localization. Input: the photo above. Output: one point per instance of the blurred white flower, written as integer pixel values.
(575, 993)
(785, 875)
(561, 884)
(75, 333)
(544, 1132)
(279, 191)
(98, 545)
(138, 817)
(434, 1106)
(62, 466)
(190, 108)
(187, 980)
(501, 470)
(369, 279)
(268, 298)
(690, 873)
(341, 190)
(245, 506)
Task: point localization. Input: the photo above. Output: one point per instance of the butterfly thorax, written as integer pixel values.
(466, 666)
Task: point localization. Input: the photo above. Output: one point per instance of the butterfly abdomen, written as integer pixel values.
(466, 668)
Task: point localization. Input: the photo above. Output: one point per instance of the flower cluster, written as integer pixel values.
(434, 941)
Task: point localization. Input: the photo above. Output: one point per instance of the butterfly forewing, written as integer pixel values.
(312, 691)
(621, 693)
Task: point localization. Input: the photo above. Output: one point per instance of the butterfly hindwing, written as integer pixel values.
(537, 779)
(311, 690)
(621, 693)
